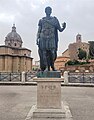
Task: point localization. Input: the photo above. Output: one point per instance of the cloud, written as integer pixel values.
(43, 1)
(26, 13)
(6, 18)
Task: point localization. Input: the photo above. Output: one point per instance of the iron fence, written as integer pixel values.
(5, 76)
(81, 77)
(29, 76)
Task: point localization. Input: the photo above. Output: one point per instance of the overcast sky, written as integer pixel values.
(78, 14)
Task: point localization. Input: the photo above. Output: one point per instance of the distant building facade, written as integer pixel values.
(73, 48)
(60, 62)
(72, 52)
(13, 57)
(36, 66)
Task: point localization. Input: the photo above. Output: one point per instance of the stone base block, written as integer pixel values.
(49, 74)
(48, 93)
(50, 114)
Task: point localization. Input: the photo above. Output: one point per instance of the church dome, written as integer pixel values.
(13, 39)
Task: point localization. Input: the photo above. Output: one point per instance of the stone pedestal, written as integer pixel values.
(48, 93)
(49, 105)
(48, 100)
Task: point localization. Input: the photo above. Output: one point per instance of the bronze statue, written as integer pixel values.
(47, 39)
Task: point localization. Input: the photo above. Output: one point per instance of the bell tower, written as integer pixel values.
(78, 38)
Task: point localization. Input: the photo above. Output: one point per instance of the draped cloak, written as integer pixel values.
(48, 36)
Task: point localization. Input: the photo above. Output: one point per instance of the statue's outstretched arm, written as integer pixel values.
(58, 25)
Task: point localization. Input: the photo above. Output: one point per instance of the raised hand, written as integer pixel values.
(64, 25)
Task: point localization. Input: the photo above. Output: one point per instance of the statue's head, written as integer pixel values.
(48, 10)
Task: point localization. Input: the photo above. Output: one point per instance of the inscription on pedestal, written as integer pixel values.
(49, 95)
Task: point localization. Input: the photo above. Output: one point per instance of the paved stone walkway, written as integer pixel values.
(16, 101)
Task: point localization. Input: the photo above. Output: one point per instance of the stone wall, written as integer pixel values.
(9, 63)
(80, 68)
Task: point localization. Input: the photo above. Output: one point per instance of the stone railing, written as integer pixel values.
(69, 77)
(15, 77)
(6, 76)
(78, 77)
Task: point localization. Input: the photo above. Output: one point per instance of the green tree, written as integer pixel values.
(91, 49)
(82, 54)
